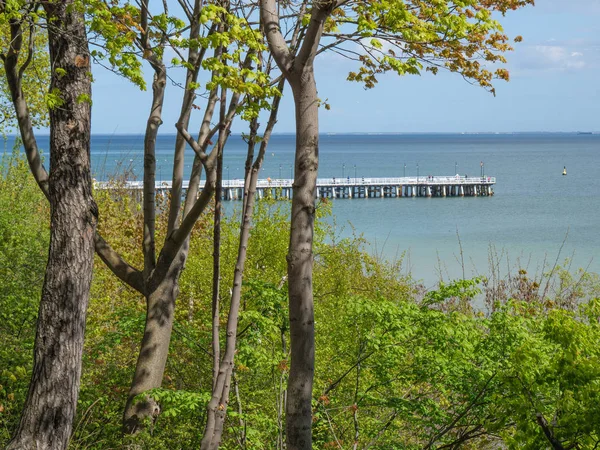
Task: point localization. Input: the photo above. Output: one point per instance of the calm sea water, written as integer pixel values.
(535, 210)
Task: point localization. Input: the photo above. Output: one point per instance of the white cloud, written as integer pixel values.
(551, 53)
(554, 56)
(558, 57)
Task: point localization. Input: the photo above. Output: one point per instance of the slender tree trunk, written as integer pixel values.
(282, 395)
(216, 281)
(194, 184)
(300, 264)
(163, 290)
(149, 200)
(298, 69)
(160, 300)
(47, 418)
(238, 398)
(217, 407)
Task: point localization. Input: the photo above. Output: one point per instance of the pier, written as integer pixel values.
(348, 188)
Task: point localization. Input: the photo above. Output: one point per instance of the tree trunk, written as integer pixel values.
(298, 69)
(217, 407)
(160, 298)
(162, 289)
(216, 281)
(49, 410)
(154, 350)
(300, 263)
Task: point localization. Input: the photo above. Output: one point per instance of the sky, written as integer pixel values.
(554, 87)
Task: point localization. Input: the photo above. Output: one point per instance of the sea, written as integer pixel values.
(536, 219)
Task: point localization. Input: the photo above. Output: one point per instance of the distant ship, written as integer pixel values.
(584, 132)
(565, 170)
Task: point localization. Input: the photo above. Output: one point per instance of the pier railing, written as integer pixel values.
(334, 182)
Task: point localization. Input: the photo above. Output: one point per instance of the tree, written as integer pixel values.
(403, 37)
(49, 410)
(234, 45)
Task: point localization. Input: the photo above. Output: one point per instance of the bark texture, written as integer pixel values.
(297, 68)
(49, 410)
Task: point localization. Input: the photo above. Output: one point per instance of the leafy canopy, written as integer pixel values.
(409, 36)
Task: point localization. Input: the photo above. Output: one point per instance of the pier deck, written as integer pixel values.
(349, 187)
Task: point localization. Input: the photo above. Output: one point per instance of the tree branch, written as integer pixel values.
(270, 24)
(126, 273)
(191, 141)
(310, 44)
(543, 423)
(451, 425)
(194, 60)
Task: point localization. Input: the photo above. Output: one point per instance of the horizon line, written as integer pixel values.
(389, 133)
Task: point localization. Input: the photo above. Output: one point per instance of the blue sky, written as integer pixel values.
(554, 87)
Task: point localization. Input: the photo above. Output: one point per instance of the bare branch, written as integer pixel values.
(451, 425)
(186, 9)
(270, 25)
(310, 43)
(29, 52)
(118, 266)
(191, 141)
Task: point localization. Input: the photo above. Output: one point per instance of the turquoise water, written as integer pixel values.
(534, 213)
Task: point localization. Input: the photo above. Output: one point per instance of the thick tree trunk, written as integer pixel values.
(300, 264)
(49, 410)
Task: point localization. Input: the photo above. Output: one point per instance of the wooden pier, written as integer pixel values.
(332, 188)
